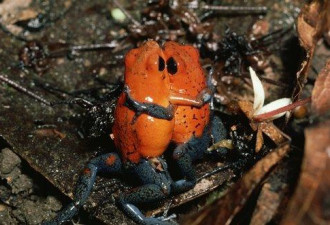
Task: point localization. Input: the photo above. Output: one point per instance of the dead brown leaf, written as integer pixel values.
(310, 203)
(311, 24)
(272, 132)
(247, 108)
(50, 132)
(272, 195)
(321, 92)
(12, 11)
(267, 204)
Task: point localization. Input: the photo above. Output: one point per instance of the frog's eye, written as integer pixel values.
(161, 64)
(172, 66)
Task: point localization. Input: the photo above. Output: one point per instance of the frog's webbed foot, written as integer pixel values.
(134, 213)
(163, 220)
(151, 109)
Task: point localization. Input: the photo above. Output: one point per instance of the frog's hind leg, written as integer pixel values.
(156, 187)
(107, 163)
(185, 154)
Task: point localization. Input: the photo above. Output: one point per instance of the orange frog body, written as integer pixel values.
(147, 136)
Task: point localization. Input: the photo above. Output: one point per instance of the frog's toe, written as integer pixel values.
(160, 220)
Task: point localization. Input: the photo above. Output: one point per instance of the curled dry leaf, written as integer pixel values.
(321, 92)
(311, 24)
(226, 209)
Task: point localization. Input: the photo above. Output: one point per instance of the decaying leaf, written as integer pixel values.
(310, 203)
(50, 132)
(273, 195)
(267, 204)
(321, 92)
(273, 132)
(311, 24)
(12, 11)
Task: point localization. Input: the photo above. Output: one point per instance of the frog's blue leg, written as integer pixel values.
(185, 154)
(156, 187)
(107, 163)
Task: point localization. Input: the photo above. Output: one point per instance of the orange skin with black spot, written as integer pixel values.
(189, 80)
(148, 136)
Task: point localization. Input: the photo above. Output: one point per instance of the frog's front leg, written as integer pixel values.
(166, 113)
(151, 109)
(107, 163)
(198, 101)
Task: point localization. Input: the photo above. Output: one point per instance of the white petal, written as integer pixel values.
(279, 103)
(258, 90)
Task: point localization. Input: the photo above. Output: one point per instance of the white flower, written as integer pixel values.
(259, 99)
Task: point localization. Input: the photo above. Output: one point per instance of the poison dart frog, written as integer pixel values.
(195, 124)
(165, 92)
